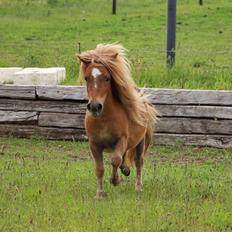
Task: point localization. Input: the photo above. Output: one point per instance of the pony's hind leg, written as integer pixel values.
(116, 160)
(139, 159)
(98, 157)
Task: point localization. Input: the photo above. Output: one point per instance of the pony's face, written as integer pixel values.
(98, 81)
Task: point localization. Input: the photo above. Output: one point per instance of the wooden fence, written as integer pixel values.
(193, 117)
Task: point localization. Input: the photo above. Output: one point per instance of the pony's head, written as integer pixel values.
(107, 69)
(98, 82)
(95, 70)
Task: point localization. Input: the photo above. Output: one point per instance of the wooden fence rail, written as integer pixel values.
(194, 117)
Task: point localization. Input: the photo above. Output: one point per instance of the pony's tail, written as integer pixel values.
(152, 118)
(129, 157)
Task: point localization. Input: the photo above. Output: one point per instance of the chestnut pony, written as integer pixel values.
(119, 119)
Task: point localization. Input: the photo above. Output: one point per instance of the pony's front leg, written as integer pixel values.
(116, 160)
(98, 157)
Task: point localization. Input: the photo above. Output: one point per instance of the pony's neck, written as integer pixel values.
(110, 103)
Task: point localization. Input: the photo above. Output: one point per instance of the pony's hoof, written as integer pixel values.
(125, 171)
(100, 195)
(115, 181)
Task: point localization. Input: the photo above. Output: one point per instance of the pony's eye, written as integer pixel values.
(86, 78)
(108, 79)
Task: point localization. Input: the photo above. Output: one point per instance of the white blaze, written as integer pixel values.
(95, 73)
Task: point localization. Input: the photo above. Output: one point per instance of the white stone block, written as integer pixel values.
(32, 76)
(7, 74)
(47, 77)
(24, 77)
(39, 76)
(61, 73)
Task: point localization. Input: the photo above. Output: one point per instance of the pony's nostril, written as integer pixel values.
(88, 106)
(99, 107)
(94, 107)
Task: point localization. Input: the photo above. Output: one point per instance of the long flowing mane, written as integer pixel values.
(113, 57)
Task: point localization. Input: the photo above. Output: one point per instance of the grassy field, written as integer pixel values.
(46, 33)
(50, 186)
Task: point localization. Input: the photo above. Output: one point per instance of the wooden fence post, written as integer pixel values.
(114, 2)
(171, 32)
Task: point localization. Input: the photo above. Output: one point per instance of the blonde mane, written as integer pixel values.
(113, 57)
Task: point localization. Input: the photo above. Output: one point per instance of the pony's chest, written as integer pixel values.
(104, 136)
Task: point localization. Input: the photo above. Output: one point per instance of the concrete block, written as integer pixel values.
(7, 74)
(47, 77)
(61, 73)
(38, 76)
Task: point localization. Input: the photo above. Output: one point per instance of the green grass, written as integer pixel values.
(46, 33)
(50, 185)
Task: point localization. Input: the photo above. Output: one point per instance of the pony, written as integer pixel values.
(119, 118)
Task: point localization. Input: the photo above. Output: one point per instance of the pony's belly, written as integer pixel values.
(104, 139)
(108, 150)
(108, 143)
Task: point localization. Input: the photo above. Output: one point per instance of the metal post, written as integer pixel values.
(201, 2)
(114, 7)
(171, 32)
(79, 47)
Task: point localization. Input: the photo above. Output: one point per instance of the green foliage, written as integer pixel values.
(50, 186)
(52, 2)
(46, 33)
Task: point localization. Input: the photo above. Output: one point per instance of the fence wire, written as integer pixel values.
(225, 51)
(138, 55)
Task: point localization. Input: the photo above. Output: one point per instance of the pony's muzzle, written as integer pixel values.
(95, 108)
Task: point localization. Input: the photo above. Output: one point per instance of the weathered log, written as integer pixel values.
(43, 106)
(189, 97)
(164, 125)
(18, 117)
(53, 133)
(222, 112)
(17, 92)
(61, 120)
(219, 141)
(158, 96)
(193, 125)
(23, 131)
(61, 92)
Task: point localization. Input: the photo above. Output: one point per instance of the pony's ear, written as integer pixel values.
(86, 63)
(80, 58)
